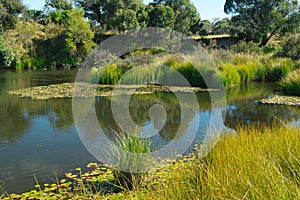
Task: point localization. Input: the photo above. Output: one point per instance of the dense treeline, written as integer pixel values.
(63, 33)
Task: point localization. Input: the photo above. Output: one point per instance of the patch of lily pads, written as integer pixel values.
(282, 100)
(85, 90)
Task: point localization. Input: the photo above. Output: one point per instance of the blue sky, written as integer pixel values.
(208, 9)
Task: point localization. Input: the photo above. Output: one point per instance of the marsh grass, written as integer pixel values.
(258, 163)
(130, 158)
(291, 84)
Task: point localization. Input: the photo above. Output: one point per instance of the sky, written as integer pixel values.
(208, 9)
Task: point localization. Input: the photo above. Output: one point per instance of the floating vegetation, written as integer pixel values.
(85, 90)
(282, 100)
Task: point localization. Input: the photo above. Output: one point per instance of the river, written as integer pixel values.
(39, 138)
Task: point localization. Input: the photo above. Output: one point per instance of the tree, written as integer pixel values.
(125, 19)
(206, 27)
(9, 12)
(186, 14)
(161, 16)
(59, 4)
(108, 13)
(262, 19)
(79, 36)
(222, 26)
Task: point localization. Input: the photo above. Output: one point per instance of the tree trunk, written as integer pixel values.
(264, 40)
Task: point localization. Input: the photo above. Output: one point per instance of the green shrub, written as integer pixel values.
(246, 47)
(291, 83)
(269, 49)
(6, 55)
(273, 70)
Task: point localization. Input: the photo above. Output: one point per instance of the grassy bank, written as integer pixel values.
(255, 163)
(232, 68)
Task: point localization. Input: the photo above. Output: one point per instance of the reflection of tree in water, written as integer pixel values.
(139, 110)
(243, 108)
(59, 112)
(17, 113)
(14, 121)
(250, 112)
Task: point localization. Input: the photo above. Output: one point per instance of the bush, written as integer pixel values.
(291, 47)
(246, 47)
(6, 56)
(291, 84)
(273, 70)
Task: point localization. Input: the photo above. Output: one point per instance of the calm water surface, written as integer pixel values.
(38, 138)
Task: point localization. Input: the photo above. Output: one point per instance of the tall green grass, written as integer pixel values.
(130, 156)
(254, 164)
(234, 69)
(291, 84)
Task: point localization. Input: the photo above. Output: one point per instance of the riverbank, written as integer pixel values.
(257, 163)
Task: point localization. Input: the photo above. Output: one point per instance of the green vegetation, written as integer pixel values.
(234, 69)
(291, 84)
(261, 20)
(255, 163)
(131, 160)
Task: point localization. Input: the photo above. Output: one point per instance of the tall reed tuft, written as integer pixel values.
(131, 159)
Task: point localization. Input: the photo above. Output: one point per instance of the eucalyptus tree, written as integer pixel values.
(186, 14)
(161, 16)
(262, 19)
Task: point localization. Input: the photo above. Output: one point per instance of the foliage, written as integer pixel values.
(78, 35)
(9, 11)
(125, 19)
(246, 47)
(116, 14)
(6, 55)
(230, 75)
(186, 14)
(291, 47)
(206, 27)
(261, 20)
(274, 69)
(291, 83)
(161, 16)
(222, 26)
(63, 42)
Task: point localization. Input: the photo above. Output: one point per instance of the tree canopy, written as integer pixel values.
(9, 11)
(262, 19)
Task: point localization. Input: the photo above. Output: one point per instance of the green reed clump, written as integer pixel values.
(230, 75)
(109, 75)
(131, 159)
(274, 69)
(291, 84)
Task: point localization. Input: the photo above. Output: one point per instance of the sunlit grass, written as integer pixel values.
(254, 163)
(291, 84)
